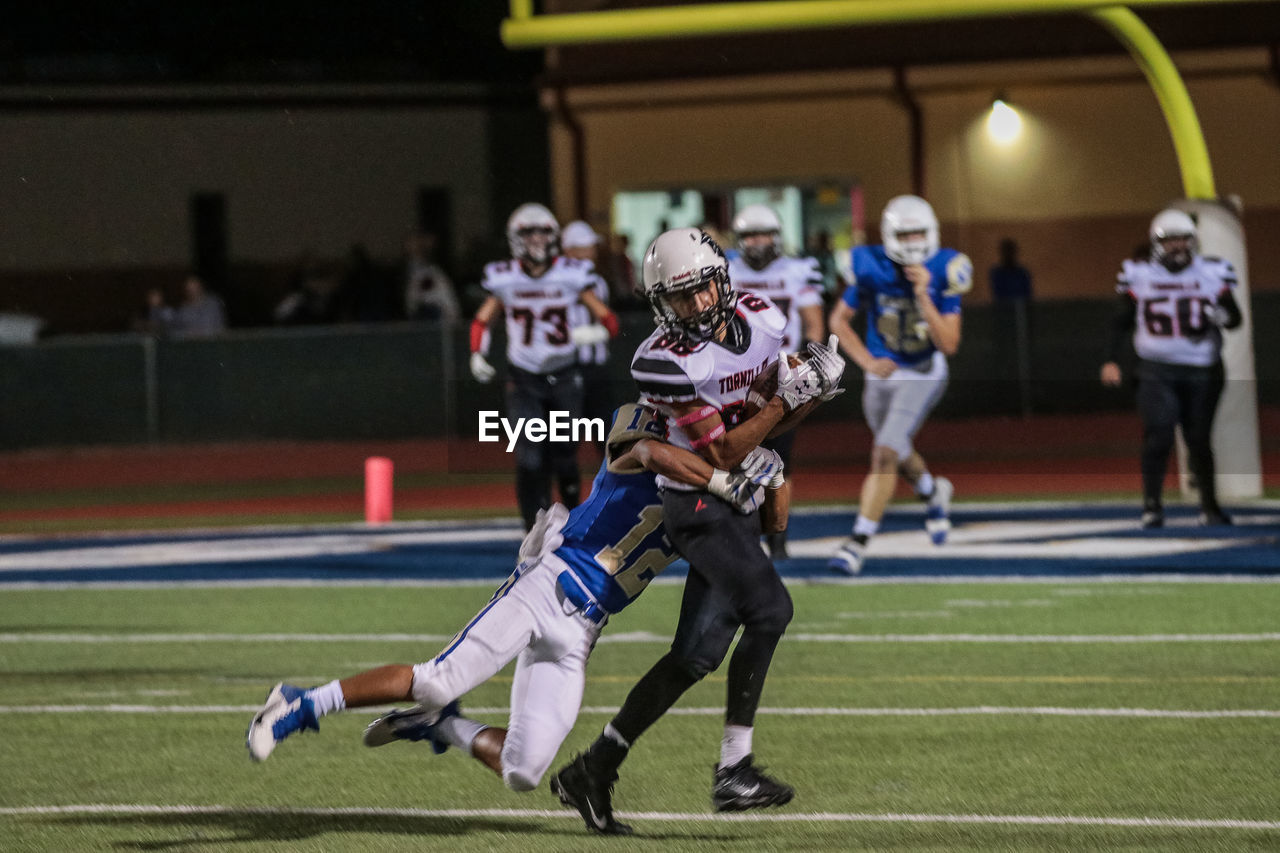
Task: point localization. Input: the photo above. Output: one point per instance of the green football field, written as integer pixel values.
(908, 716)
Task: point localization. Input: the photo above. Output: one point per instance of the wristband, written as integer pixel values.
(703, 441)
(693, 417)
(610, 322)
(478, 332)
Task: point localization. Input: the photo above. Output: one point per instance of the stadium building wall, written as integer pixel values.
(1076, 190)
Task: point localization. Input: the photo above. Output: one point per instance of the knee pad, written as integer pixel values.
(771, 609)
(428, 691)
(519, 780)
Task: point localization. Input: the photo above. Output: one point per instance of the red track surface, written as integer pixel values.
(1061, 456)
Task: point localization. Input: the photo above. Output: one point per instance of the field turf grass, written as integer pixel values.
(859, 663)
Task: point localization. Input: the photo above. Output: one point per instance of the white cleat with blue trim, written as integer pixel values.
(937, 520)
(287, 710)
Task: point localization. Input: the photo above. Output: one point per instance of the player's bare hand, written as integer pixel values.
(1111, 374)
(919, 278)
(882, 367)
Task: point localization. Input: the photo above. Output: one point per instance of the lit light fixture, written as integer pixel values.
(1003, 124)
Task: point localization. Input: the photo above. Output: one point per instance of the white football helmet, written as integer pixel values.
(757, 219)
(1174, 224)
(905, 214)
(533, 234)
(687, 260)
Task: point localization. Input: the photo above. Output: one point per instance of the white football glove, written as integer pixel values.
(481, 369)
(798, 385)
(828, 364)
(763, 467)
(1217, 315)
(587, 335)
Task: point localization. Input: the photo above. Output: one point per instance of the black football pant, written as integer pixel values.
(731, 584)
(781, 445)
(536, 395)
(1172, 394)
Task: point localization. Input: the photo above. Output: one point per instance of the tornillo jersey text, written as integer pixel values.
(742, 378)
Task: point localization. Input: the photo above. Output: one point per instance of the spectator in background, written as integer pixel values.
(578, 240)
(819, 249)
(428, 290)
(308, 299)
(622, 273)
(1010, 280)
(201, 313)
(365, 295)
(1011, 318)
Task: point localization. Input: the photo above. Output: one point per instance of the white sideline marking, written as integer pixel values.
(1205, 577)
(979, 710)
(695, 817)
(230, 550)
(642, 637)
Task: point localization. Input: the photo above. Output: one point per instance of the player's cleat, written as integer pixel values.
(591, 794)
(1152, 519)
(411, 724)
(937, 518)
(745, 786)
(287, 710)
(848, 559)
(1214, 518)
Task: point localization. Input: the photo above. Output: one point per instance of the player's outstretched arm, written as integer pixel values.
(722, 448)
(481, 369)
(841, 320)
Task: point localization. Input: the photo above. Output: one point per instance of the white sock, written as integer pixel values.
(864, 526)
(327, 698)
(614, 735)
(924, 486)
(736, 744)
(459, 731)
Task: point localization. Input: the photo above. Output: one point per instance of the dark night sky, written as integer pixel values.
(271, 40)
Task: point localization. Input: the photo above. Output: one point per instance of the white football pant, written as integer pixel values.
(896, 406)
(529, 617)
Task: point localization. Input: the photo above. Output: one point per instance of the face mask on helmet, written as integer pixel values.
(686, 281)
(1174, 239)
(533, 234)
(757, 227)
(909, 230)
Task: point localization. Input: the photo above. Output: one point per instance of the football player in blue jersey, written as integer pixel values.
(576, 568)
(910, 289)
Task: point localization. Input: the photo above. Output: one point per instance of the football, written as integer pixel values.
(766, 385)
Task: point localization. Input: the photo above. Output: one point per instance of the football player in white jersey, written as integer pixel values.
(794, 285)
(576, 568)
(537, 290)
(1175, 306)
(711, 342)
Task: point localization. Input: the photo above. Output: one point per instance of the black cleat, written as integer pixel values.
(1214, 518)
(592, 796)
(1152, 519)
(745, 786)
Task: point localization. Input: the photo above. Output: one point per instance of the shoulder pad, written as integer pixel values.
(769, 317)
(631, 423)
(959, 275)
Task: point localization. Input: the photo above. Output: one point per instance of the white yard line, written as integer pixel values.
(670, 817)
(638, 637)
(975, 711)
